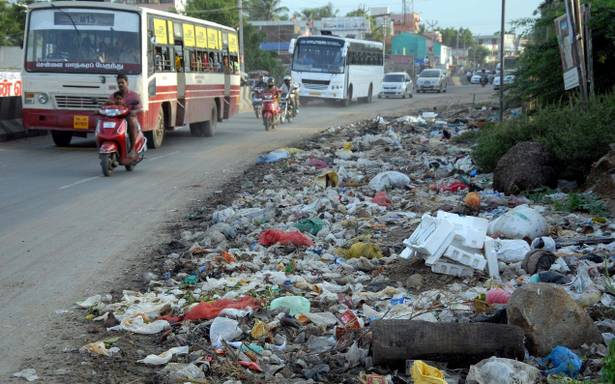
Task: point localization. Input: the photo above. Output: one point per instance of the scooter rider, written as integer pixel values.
(288, 88)
(271, 88)
(133, 101)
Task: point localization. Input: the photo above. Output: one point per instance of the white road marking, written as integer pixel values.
(161, 156)
(79, 182)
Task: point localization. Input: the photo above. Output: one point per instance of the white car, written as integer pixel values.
(508, 79)
(475, 79)
(396, 84)
(431, 80)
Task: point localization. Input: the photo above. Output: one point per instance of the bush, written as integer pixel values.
(576, 137)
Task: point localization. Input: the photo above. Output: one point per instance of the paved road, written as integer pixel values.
(66, 232)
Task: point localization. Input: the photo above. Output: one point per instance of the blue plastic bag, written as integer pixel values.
(563, 361)
(272, 157)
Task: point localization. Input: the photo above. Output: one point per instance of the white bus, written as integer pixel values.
(337, 68)
(184, 69)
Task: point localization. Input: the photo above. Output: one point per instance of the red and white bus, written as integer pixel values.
(185, 69)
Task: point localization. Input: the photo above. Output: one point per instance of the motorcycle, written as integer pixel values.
(257, 101)
(270, 111)
(113, 140)
(286, 113)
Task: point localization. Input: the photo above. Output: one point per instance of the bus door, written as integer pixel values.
(181, 84)
(227, 85)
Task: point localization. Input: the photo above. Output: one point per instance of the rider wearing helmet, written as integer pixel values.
(271, 88)
(288, 88)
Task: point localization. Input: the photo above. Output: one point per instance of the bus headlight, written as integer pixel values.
(42, 98)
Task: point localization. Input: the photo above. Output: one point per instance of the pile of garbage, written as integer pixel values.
(375, 253)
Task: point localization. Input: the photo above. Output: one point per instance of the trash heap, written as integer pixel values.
(374, 253)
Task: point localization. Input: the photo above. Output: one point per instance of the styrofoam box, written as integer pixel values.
(471, 230)
(451, 269)
(431, 238)
(466, 256)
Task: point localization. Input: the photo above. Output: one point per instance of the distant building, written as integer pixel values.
(352, 27)
(278, 35)
(410, 23)
(425, 50)
(492, 43)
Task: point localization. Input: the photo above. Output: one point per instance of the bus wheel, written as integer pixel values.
(348, 98)
(61, 139)
(155, 137)
(209, 129)
(196, 129)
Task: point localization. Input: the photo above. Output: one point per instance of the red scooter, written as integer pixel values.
(113, 140)
(270, 111)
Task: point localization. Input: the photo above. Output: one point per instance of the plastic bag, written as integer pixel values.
(138, 325)
(165, 356)
(317, 163)
(382, 199)
(361, 249)
(498, 296)
(389, 180)
(495, 370)
(508, 251)
(225, 329)
(274, 236)
(296, 305)
(426, 374)
(563, 361)
(209, 310)
(519, 223)
(312, 226)
(272, 157)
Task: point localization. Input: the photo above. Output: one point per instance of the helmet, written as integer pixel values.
(271, 82)
(287, 78)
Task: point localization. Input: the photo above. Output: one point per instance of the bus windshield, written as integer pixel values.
(319, 55)
(81, 40)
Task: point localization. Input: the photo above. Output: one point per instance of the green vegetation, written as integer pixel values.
(576, 137)
(12, 19)
(608, 369)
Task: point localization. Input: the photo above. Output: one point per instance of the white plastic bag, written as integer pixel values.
(164, 357)
(508, 251)
(388, 180)
(223, 329)
(497, 370)
(518, 223)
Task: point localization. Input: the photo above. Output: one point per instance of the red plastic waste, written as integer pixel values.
(382, 199)
(317, 163)
(455, 187)
(210, 310)
(251, 365)
(497, 296)
(274, 236)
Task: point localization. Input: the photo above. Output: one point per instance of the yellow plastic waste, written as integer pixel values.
(259, 330)
(361, 249)
(426, 374)
(327, 179)
(347, 146)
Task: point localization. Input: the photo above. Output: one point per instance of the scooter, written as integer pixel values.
(257, 102)
(113, 140)
(270, 111)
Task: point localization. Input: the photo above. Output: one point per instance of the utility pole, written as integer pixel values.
(502, 61)
(589, 47)
(242, 65)
(579, 57)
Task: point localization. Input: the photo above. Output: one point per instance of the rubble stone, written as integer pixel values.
(550, 317)
(524, 167)
(602, 178)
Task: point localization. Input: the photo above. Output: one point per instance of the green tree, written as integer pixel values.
(12, 20)
(218, 11)
(477, 54)
(318, 13)
(360, 11)
(267, 10)
(453, 36)
(539, 74)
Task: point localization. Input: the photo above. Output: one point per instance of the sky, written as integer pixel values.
(481, 16)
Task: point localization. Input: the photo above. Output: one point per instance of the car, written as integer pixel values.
(431, 80)
(508, 79)
(476, 77)
(396, 84)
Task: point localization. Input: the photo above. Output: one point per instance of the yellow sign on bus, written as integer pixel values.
(188, 35)
(170, 29)
(233, 47)
(212, 38)
(201, 37)
(160, 31)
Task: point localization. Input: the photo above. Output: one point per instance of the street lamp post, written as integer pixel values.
(241, 58)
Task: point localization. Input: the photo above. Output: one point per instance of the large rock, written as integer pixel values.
(602, 179)
(550, 317)
(525, 166)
